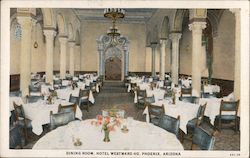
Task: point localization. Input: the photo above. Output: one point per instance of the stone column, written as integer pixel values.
(78, 60)
(153, 47)
(196, 28)
(126, 64)
(100, 51)
(162, 58)
(63, 49)
(237, 53)
(49, 34)
(71, 58)
(175, 37)
(26, 23)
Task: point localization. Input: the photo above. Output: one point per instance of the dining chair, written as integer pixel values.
(16, 138)
(209, 95)
(197, 120)
(93, 87)
(74, 99)
(228, 106)
(202, 139)
(33, 99)
(133, 87)
(141, 98)
(186, 91)
(155, 113)
(21, 120)
(60, 119)
(57, 84)
(67, 108)
(15, 94)
(190, 99)
(84, 99)
(170, 124)
(167, 83)
(34, 90)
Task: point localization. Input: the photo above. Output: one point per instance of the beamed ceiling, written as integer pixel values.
(131, 15)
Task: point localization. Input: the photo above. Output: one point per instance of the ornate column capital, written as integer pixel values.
(175, 36)
(63, 39)
(163, 41)
(71, 43)
(49, 33)
(197, 26)
(26, 22)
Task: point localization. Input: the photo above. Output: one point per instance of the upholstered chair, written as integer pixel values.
(197, 120)
(74, 99)
(186, 91)
(202, 139)
(170, 124)
(228, 106)
(84, 99)
(33, 99)
(60, 119)
(190, 99)
(34, 91)
(155, 113)
(16, 138)
(21, 120)
(67, 108)
(141, 98)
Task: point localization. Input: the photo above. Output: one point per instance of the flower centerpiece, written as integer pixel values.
(108, 124)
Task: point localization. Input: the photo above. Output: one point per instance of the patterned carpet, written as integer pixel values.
(114, 94)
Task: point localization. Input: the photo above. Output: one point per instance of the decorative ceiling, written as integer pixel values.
(131, 15)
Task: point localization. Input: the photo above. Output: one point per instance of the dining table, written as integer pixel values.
(39, 112)
(186, 111)
(83, 135)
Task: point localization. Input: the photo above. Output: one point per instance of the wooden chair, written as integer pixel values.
(34, 91)
(21, 120)
(186, 91)
(228, 106)
(74, 99)
(67, 108)
(60, 119)
(16, 138)
(190, 99)
(197, 120)
(84, 99)
(155, 113)
(202, 139)
(170, 124)
(141, 98)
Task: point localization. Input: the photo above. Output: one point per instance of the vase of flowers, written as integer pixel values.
(108, 125)
(106, 133)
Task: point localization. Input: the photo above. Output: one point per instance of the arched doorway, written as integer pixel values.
(113, 54)
(113, 68)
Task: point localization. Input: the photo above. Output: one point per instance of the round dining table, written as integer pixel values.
(140, 136)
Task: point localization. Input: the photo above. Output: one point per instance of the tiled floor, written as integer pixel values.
(114, 94)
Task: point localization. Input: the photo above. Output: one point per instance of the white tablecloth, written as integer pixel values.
(39, 113)
(65, 94)
(157, 93)
(187, 111)
(211, 89)
(141, 136)
(213, 107)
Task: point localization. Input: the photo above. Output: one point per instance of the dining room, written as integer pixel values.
(126, 79)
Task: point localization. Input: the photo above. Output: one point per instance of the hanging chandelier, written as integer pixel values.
(114, 14)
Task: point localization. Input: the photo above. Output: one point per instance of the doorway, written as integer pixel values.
(113, 69)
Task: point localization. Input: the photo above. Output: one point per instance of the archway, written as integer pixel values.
(107, 50)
